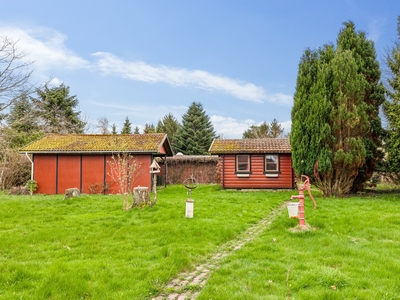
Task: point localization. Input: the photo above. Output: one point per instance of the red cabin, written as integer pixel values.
(87, 161)
(254, 163)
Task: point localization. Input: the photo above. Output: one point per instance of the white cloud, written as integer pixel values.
(375, 29)
(146, 112)
(287, 125)
(280, 98)
(46, 47)
(109, 64)
(55, 82)
(230, 128)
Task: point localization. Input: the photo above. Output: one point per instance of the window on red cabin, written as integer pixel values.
(271, 163)
(243, 163)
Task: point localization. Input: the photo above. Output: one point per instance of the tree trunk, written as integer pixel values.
(141, 197)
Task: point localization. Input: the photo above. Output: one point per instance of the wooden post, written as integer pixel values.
(155, 188)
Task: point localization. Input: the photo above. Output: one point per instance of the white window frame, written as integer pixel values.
(237, 163)
(266, 164)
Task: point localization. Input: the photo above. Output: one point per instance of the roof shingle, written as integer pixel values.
(104, 143)
(230, 146)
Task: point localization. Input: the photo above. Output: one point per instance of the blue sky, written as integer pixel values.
(145, 59)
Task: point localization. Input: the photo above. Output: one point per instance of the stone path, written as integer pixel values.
(189, 284)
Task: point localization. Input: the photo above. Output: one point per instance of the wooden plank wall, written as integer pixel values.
(92, 174)
(44, 172)
(55, 173)
(257, 178)
(69, 167)
(142, 176)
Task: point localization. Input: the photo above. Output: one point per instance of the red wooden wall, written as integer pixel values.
(142, 175)
(55, 173)
(92, 173)
(257, 178)
(68, 172)
(44, 172)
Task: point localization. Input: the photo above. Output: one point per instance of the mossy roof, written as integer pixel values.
(237, 146)
(190, 159)
(100, 143)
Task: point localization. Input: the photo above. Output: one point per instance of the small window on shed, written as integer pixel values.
(271, 163)
(243, 163)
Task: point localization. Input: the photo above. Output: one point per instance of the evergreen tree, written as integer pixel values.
(56, 110)
(335, 125)
(22, 123)
(196, 134)
(114, 129)
(169, 125)
(392, 105)
(160, 127)
(22, 115)
(126, 127)
(311, 133)
(136, 130)
(149, 128)
(364, 53)
(276, 129)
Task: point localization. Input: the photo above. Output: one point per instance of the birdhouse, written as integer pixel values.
(154, 167)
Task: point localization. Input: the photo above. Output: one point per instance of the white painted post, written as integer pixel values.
(189, 208)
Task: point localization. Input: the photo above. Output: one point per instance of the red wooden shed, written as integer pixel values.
(85, 161)
(254, 163)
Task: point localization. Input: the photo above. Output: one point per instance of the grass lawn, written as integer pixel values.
(352, 253)
(89, 248)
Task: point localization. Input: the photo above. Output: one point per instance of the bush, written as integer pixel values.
(32, 186)
(14, 169)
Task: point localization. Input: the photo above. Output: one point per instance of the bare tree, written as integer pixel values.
(14, 72)
(124, 170)
(102, 125)
(14, 77)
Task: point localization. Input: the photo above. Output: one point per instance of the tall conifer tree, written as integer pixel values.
(114, 129)
(22, 123)
(364, 53)
(196, 134)
(392, 105)
(126, 127)
(169, 125)
(335, 123)
(149, 128)
(56, 110)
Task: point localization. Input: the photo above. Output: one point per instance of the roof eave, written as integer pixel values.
(166, 141)
(249, 152)
(91, 152)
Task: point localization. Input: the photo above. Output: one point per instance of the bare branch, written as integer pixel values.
(14, 72)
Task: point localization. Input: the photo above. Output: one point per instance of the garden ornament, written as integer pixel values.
(190, 184)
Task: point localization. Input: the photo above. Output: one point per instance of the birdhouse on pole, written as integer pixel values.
(154, 167)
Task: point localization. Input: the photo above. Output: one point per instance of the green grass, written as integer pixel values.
(352, 253)
(89, 248)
